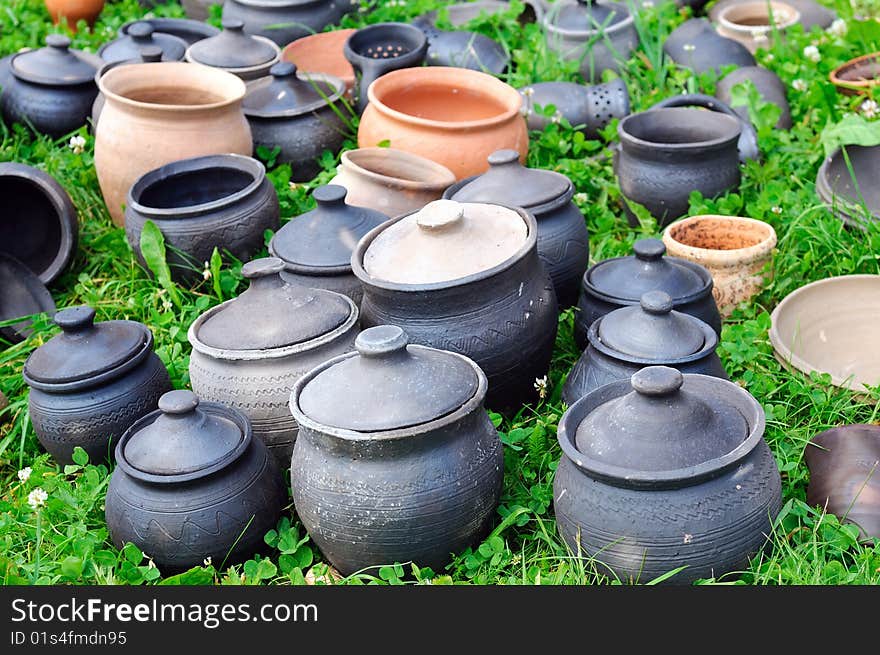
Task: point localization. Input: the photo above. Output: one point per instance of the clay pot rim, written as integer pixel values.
(399, 182)
(170, 66)
(669, 479)
(741, 29)
(854, 85)
(701, 271)
(474, 403)
(241, 70)
(718, 256)
(717, 142)
(357, 257)
(710, 342)
(342, 34)
(439, 74)
(258, 354)
(337, 83)
(195, 164)
(781, 349)
(608, 31)
(837, 202)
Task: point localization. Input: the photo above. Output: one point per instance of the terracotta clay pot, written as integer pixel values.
(734, 249)
(158, 113)
(859, 75)
(322, 53)
(454, 116)
(755, 24)
(74, 11)
(391, 181)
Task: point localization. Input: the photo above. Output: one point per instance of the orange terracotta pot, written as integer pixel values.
(453, 116)
(74, 11)
(859, 75)
(158, 113)
(322, 53)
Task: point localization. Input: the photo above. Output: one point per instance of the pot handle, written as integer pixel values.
(748, 138)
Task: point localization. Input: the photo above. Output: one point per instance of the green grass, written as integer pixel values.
(66, 540)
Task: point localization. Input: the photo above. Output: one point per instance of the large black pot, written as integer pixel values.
(284, 21)
(768, 85)
(591, 107)
(695, 44)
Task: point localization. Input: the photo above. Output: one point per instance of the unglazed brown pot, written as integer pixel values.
(322, 53)
(733, 248)
(755, 24)
(454, 116)
(159, 113)
(74, 11)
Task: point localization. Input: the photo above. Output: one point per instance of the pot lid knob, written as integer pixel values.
(232, 24)
(59, 41)
(649, 249)
(179, 402)
(75, 319)
(263, 267)
(150, 53)
(283, 69)
(656, 302)
(330, 194)
(503, 157)
(657, 381)
(140, 31)
(440, 214)
(381, 340)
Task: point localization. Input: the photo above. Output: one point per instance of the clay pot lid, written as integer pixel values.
(55, 64)
(139, 35)
(24, 294)
(445, 240)
(669, 422)
(510, 182)
(285, 93)
(587, 16)
(232, 48)
(272, 313)
(652, 330)
(388, 384)
(627, 278)
(326, 236)
(183, 438)
(86, 350)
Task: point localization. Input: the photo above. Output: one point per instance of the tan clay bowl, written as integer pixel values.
(322, 53)
(453, 116)
(733, 248)
(831, 326)
(391, 181)
(858, 75)
(754, 23)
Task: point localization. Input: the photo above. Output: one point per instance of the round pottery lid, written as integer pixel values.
(326, 236)
(287, 94)
(184, 437)
(388, 385)
(445, 240)
(628, 278)
(84, 348)
(272, 313)
(663, 424)
(586, 16)
(139, 35)
(232, 48)
(651, 330)
(54, 64)
(510, 182)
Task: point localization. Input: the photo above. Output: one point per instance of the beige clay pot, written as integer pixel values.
(159, 113)
(755, 23)
(734, 249)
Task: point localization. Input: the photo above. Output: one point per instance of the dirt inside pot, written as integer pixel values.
(440, 102)
(718, 234)
(864, 71)
(192, 188)
(30, 223)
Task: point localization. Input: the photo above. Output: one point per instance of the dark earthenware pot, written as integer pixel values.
(563, 240)
(218, 201)
(811, 12)
(397, 459)
(191, 484)
(665, 154)
(768, 85)
(853, 201)
(695, 5)
(39, 226)
(591, 107)
(23, 294)
(252, 366)
(90, 383)
(316, 246)
(621, 281)
(188, 30)
(600, 36)
(141, 34)
(52, 89)
(199, 10)
(378, 49)
(247, 56)
(503, 317)
(649, 334)
(148, 54)
(301, 115)
(665, 471)
(695, 44)
(463, 12)
(284, 21)
(463, 49)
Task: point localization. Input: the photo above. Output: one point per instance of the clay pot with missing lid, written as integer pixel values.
(756, 23)
(812, 13)
(193, 484)
(859, 75)
(74, 11)
(397, 459)
(147, 54)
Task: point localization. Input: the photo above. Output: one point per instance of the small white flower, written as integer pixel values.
(207, 561)
(581, 197)
(799, 85)
(556, 117)
(838, 28)
(776, 209)
(647, 4)
(37, 498)
(759, 35)
(206, 272)
(166, 305)
(870, 108)
(24, 474)
(811, 52)
(688, 538)
(77, 144)
(528, 92)
(541, 387)
(769, 57)
(688, 47)
(291, 186)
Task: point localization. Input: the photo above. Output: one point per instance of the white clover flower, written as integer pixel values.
(292, 185)
(759, 35)
(870, 108)
(838, 28)
(528, 92)
(37, 498)
(556, 117)
(207, 561)
(206, 272)
(581, 197)
(799, 85)
(812, 53)
(776, 209)
(166, 305)
(77, 144)
(541, 387)
(688, 47)
(25, 473)
(769, 57)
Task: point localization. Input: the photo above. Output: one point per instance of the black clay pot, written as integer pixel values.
(649, 334)
(284, 21)
(316, 246)
(397, 459)
(188, 30)
(39, 226)
(304, 116)
(142, 34)
(462, 13)
(665, 154)
(23, 294)
(853, 197)
(591, 107)
(501, 315)
(51, 89)
(767, 83)
(378, 49)
(191, 483)
(665, 471)
(695, 44)
(563, 240)
(247, 56)
(147, 54)
(462, 49)
(89, 384)
(621, 281)
(217, 201)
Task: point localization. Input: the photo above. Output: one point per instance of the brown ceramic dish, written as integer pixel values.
(859, 75)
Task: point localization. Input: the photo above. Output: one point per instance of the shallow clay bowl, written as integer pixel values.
(831, 326)
(322, 53)
(835, 187)
(858, 75)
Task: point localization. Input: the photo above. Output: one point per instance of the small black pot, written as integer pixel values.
(217, 201)
(695, 44)
(768, 85)
(592, 107)
(462, 49)
(183, 28)
(142, 34)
